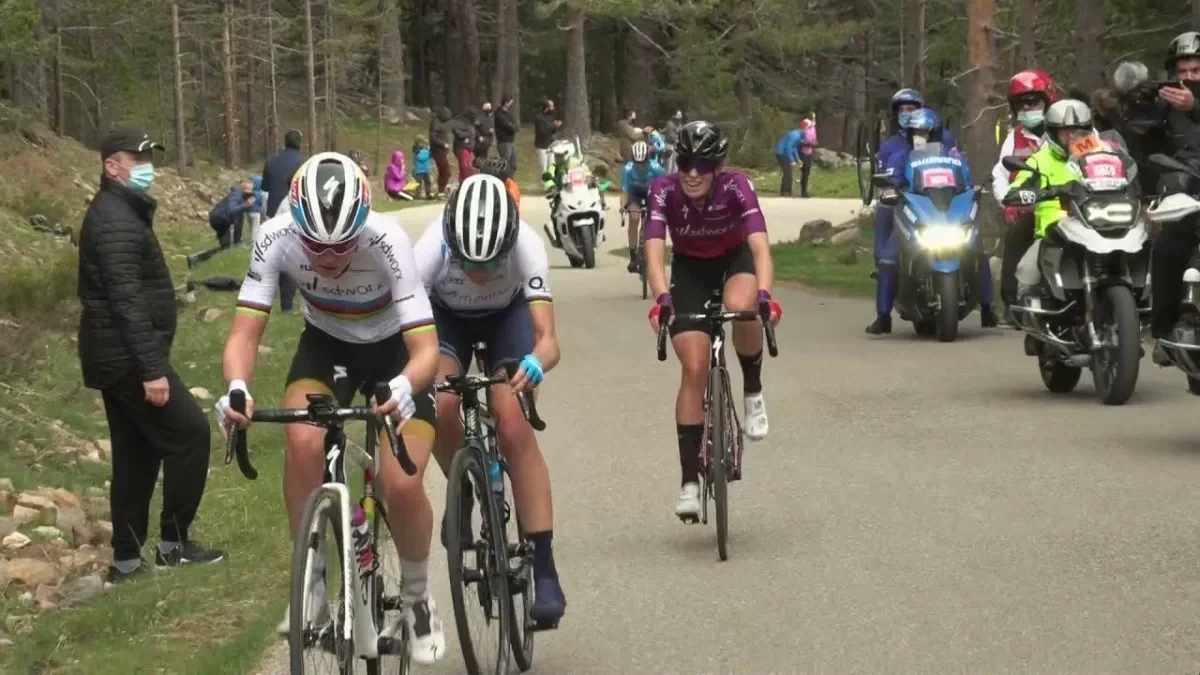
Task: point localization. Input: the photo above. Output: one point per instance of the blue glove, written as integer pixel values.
(532, 366)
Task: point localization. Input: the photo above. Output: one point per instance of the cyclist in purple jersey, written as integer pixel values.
(720, 243)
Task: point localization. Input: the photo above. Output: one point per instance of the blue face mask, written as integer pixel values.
(141, 177)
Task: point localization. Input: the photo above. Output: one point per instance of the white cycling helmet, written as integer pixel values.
(330, 199)
(480, 222)
(562, 147)
(639, 151)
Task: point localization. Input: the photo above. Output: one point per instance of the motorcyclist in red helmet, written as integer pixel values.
(1030, 94)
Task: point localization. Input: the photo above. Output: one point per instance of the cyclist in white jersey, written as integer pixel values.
(368, 320)
(489, 280)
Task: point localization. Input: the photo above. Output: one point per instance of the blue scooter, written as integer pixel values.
(940, 247)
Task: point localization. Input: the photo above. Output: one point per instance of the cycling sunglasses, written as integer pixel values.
(701, 166)
(319, 248)
(488, 267)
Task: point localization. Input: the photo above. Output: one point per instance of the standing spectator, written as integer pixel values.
(229, 215)
(545, 127)
(256, 211)
(361, 160)
(506, 132)
(395, 176)
(630, 134)
(787, 153)
(421, 165)
(671, 136)
(464, 142)
(486, 128)
(439, 145)
(277, 181)
(808, 125)
(125, 334)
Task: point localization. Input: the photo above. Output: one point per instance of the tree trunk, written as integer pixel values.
(177, 89)
(1028, 23)
(979, 122)
(1195, 14)
(231, 136)
(512, 71)
(609, 111)
(391, 61)
(745, 99)
(637, 73)
(60, 104)
(914, 44)
(310, 64)
(330, 82)
(578, 116)
(501, 61)
(273, 122)
(468, 56)
(1089, 47)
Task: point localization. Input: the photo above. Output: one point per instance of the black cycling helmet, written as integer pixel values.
(1183, 46)
(494, 166)
(702, 140)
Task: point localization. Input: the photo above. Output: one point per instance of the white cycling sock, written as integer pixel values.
(414, 580)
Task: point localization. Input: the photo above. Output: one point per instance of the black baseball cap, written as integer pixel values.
(127, 139)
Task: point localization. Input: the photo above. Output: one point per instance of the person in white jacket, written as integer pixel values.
(1030, 94)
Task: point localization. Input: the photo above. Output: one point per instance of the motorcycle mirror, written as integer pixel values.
(1016, 164)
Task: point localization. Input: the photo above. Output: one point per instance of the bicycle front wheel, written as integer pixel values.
(387, 607)
(718, 409)
(319, 639)
(520, 586)
(478, 567)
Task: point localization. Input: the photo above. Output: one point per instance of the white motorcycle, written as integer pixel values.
(1183, 346)
(578, 219)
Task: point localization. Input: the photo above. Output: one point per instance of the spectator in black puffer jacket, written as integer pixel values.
(125, 335)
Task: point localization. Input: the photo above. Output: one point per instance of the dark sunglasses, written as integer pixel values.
(686, 164)
(319, 248)
(489, 266)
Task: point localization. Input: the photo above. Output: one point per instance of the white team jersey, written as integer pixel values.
(527, 271)
(380, 293)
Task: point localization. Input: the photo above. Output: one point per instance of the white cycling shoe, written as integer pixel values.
(756, 417)
(427, 643)
(687, 506)
(318, 607)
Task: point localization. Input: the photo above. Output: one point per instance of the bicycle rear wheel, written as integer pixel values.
(478, 573)
(317, 638)
(387, 605)
(718, 410)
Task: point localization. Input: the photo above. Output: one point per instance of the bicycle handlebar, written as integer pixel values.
(459, 384)
(317, 412)
(720, 317)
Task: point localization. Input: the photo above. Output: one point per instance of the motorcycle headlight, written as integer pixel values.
(942, 237)
(1111, 213)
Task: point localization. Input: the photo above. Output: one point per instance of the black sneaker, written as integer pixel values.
(1160, 356)
(188, 554)
(116, 576)
(882, 325)
(987, 318)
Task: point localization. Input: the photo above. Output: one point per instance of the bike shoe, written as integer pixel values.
(549, 604)
(687, 506)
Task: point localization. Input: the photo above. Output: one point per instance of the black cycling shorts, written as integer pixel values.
(693, 281)
(508, 334)
(325, 363)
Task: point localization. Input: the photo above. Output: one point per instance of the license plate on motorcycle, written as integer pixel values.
(577, 176)
(937, 178)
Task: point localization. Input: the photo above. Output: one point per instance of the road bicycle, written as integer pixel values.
(485, 559)
(721, 447)
(641, 252)
(366, 620)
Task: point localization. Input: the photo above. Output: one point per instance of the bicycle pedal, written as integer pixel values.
(539, 626)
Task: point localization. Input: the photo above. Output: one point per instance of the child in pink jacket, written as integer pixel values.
(394, 178)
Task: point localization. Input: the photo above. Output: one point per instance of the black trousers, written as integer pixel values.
(144, 438)
(785, 182)
(1173, 249)
(1018, 237)
(509, 153)
(805, 170)
(231, 234)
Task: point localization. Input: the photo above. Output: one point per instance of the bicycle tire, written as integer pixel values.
(717, 466)
(642, 257)
(520, 619)
(318, 512)
(492, 575)
(385, 598)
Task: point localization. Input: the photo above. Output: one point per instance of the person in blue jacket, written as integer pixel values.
(635, 190)
(787, 153)
(228, 216)
(922, 126)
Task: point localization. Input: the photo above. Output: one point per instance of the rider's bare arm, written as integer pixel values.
(422, 345)
(241, 347)
(764, 267)
(545, 342)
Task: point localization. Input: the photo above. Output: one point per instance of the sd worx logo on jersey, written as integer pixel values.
(389, 252)
(261, 246)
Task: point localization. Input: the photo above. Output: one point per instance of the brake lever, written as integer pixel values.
(383, 392)
(237, 438)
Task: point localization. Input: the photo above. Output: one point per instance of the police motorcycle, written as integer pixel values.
(1088, 308)
(940, 246)
(578, 216)
(1183, 346)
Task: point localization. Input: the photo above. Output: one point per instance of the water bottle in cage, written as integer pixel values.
(364, 553)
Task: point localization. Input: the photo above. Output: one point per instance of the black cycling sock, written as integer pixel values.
(690, 436)
(543, 555)
(751, 373)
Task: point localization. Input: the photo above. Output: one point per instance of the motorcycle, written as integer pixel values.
(1094, 290)
(578, 219)
(1183, 346)
(940, 253)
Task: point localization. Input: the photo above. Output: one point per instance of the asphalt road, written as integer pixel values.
(918, 507)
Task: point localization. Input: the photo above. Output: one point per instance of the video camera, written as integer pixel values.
(1141, 107)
